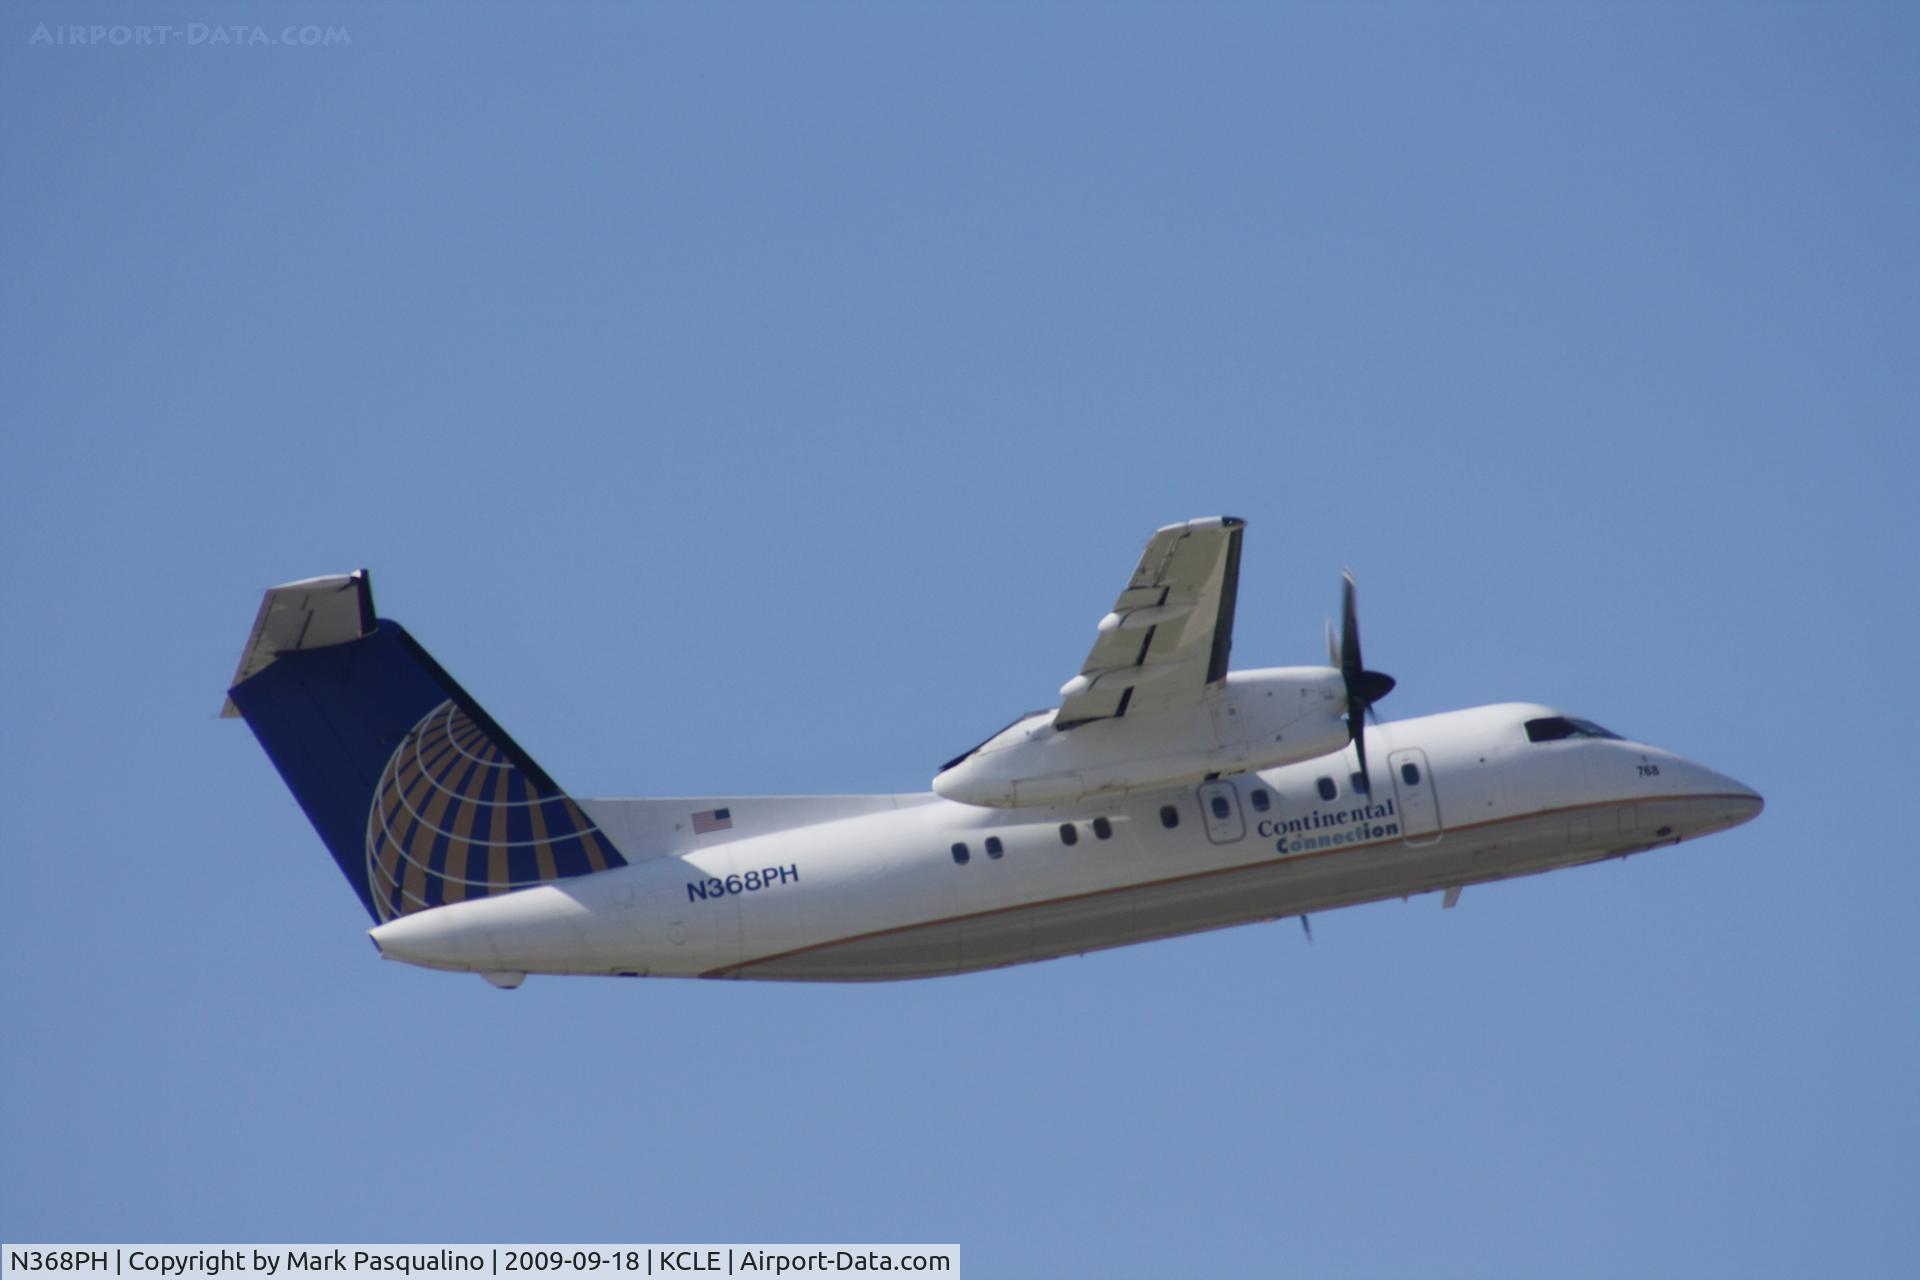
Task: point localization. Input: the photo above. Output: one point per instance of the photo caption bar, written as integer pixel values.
(387, 1261)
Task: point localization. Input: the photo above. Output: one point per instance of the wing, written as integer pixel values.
(1169, 633)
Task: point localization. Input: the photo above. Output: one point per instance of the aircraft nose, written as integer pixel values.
(1734, 802)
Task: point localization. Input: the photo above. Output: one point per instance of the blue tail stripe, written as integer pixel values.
(352, 727)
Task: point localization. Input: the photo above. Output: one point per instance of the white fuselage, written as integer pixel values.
(873, 887)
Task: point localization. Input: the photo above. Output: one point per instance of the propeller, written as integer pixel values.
(1364, 687)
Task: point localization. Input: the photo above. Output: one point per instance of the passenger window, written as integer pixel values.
(1068, 836)
(1358, 782)
(994, 847)
(1260, 799)
(960, 854)
(1220, 806)
(1102, 828)
(1327, 790)
(1410, 772)
(1169, 816)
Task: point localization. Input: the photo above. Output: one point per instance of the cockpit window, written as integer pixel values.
(1554, 728)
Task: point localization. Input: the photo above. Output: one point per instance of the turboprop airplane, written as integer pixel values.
(1164, 795)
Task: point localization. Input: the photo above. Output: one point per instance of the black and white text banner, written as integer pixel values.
(516, 1261)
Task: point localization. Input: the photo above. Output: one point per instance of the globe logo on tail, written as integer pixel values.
(454, 818)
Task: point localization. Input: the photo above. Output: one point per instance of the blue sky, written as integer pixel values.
(767, 398)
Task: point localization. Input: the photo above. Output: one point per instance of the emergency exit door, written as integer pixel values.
(1220, 809)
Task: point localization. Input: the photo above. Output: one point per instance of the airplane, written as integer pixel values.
(1164, 795)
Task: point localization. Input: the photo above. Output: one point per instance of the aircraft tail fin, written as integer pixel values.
(421, 798)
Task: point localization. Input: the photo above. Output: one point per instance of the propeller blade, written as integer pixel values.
(1349, 627)
(1357, 727)
(1364, 687)
(1333, 647)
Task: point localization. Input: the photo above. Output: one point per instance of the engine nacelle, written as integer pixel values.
(1252, 720)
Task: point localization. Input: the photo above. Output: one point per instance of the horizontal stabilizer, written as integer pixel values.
(310, 614)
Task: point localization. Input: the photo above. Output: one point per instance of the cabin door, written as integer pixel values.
(1413, 794)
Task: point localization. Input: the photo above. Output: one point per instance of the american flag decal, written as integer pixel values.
(712, 820)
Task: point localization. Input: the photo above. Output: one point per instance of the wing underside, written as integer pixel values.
(1168, 636)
